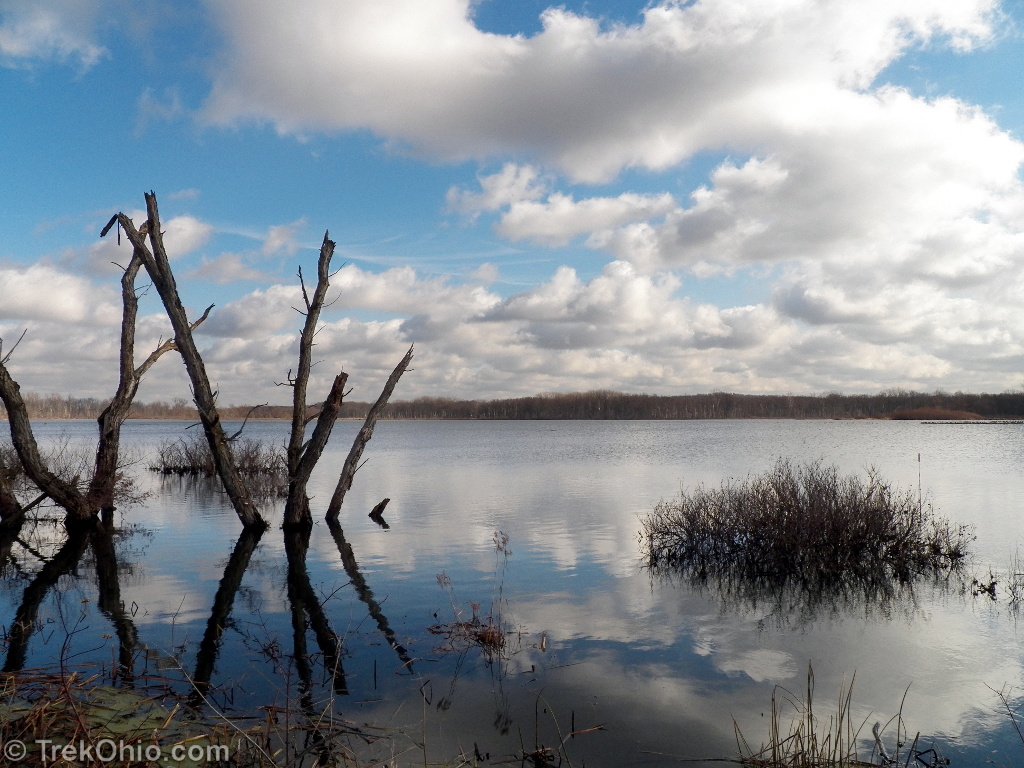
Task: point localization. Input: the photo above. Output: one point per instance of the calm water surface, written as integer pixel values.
(592, 639)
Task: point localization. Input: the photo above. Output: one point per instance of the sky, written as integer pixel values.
(759, 196)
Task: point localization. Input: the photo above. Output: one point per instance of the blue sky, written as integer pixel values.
(771, 196)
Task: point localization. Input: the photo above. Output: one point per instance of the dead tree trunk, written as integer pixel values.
(159, 269)
(10, 507)
(100, 494)
(63, 492)
(303, 455)
(348, 471)
(104, 479)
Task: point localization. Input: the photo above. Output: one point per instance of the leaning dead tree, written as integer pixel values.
(82, 504)
(348, 471)
(158, 266)
(303, 453)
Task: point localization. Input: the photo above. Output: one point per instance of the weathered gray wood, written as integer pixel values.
(348, 471)
(296, 511)
(100, 495)
(303, 455)
(10, 507)
(67, 494)
(64, 493)
(158, 266)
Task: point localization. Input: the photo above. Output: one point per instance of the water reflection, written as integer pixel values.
(790, 603)
(110, 604)
(348, 559)
(104, 541)
(223, 601)
(664, 663)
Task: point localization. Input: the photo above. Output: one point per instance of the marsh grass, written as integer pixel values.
(71, 709)
(800, 738)
(803, 523)
(261, 464)
(74, 463)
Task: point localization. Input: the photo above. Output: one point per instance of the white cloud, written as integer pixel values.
(560, 218)
(185, 234)
(227, 268)
(49, 29)
(511, 185)
(889, 177)
(587, 100)
(281, 238)
(42, 292)
(107, 257)
(257, 314)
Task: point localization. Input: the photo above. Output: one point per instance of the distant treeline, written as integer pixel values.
(594, 405)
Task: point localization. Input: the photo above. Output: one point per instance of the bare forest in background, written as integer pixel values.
(597, 405)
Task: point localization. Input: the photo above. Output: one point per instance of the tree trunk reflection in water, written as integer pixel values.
(209, 647)
(348, 559)
(110, 604)
(304, 600)
(26, 620)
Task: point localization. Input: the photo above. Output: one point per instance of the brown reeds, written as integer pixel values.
(799, 738)
(261, 464)
(803, 523)
(52, 717)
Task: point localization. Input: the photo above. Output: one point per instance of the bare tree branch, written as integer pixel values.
(7, 357)
(245, 421)
(363, 437)
(159, 269)
(64, 493)
(302, 455)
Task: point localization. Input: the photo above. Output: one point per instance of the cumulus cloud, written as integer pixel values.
(872, 184)
(185, 234)
(43, 292)
(560, 218)
(107, 257)
(49, 29)
(257, 314)
(511, 185)
(586, 99)
(885, 230)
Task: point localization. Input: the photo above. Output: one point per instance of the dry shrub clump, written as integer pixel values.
(261, 464)
(804, 522)
(192, 456)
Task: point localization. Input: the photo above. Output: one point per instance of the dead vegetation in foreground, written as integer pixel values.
(799, 738)
(151, 726)
(802, 523)
(104, 725)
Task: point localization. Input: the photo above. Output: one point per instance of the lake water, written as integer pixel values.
(591, 638)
